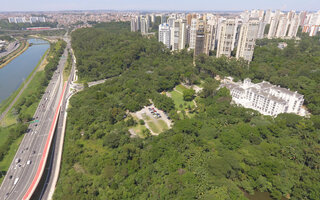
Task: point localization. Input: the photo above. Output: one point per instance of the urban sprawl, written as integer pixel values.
(228, 35)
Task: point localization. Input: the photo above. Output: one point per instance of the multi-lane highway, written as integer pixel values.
(51, 178)
(26, 167)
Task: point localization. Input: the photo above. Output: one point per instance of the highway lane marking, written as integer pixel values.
(27, 139)
(35, 180)
(36, 139)
(42, 140)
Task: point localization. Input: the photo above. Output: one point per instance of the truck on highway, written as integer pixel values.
(16, 181)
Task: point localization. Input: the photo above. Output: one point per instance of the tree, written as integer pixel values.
(188, 94)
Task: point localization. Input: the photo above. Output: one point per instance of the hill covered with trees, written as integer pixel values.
(222, 150)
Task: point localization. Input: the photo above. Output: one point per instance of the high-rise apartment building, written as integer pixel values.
(247, 38)
(282, 27)
(200, 39)
(193, 33)
(262, 26)
(135, 24)
(189, 18)
(227, 37)
(274, 25)
(267, 17)
(182, 34)
(163, 19)
(302, 16)
(294, 26)
(175, 33)
(164, 34)
(144, 25)
(171, 21)
(211, 34)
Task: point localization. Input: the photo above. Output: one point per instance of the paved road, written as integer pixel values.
(55, 159)
(21, 91)
(24, 167)
(10, 48)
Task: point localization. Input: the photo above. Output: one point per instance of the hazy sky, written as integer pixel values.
(53, 5)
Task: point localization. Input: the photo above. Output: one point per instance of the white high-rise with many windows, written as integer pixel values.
(247, 39)
(193, 33)
(164, 34)
(227, 37)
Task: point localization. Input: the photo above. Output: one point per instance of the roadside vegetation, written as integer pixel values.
(7, 59)
(67, 68)
(16, 121)
(220, 151)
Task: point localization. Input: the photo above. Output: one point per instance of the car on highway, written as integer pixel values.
(28, 162)
(18, 160)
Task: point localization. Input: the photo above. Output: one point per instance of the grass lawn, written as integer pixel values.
(178, 100)
(181, 88)
(139, 130)
(4, 132)
(5, 163)
(163, 125)
(153, 127)
(158, 126)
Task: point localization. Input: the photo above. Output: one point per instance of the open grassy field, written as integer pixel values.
(178, 100)
(180, 88)
(157, 126)
(140, 130)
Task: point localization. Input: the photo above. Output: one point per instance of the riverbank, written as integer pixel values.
(26, 104)
(23, 47)
(11, 101)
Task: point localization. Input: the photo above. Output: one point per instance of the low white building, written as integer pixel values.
(264, 97)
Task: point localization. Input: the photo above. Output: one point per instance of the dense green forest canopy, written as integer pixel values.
(213, 155)
(296, 67)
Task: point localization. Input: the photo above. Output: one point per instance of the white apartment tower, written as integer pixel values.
(144, 25)
(164, 34)
(227, 37)
(262, 26)
(274, 25)
(282, 27)
(247, 39)
(212, 33)
(182, 34)
(193, 33)
(294, 26)
(175, 33)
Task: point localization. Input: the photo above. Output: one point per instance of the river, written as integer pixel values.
(17, 71)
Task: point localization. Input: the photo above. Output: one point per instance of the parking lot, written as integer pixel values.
(155, 120)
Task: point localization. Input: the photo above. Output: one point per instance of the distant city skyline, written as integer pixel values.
(169, 5)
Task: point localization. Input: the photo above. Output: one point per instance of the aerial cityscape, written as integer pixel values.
(160, 100)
